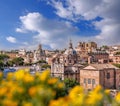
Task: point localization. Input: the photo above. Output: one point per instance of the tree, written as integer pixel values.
(105, 47)
(41, 61)
(117, 53)
(46, 66)
(1, 65)
(70, 83)
(18, 61)
(10, 63)
(3, 60)
(117, 65)
(3, 57)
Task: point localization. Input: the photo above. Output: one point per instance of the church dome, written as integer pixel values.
(70, 50)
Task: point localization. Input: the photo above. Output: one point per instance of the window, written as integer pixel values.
(89, 81)
(93, 81)
(108, 75)
(84, 80)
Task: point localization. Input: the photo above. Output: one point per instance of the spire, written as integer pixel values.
(70, 44)
(39, 46)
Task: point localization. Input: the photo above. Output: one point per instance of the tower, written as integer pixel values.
(70, 45)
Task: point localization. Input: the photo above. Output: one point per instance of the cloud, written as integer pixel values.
(11, 39)
(21, 30)
(76, 10)
(52, 33)
(56, 33)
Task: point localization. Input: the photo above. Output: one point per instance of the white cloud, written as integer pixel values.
(56, 33)
(25, 43)
(90, 9)
(49, 32)
(21, 30)
(11, 39)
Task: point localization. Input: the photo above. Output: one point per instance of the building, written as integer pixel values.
(65, 65)
(86, 47)
(83, 48)
(11, 54)
(39, 54)
(22, 52)
(98, 57)
(115, 57)
(106, 75)
(29, 57)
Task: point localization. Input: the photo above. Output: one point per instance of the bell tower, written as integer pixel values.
(70, 45)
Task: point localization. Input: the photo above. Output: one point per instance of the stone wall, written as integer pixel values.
(92, 76)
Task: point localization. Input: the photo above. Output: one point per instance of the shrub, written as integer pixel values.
(22, 89)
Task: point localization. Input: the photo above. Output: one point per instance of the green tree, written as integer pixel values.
(3, 57)
(117, 65)
(46, 66)
(18, 61)
(117, 53)
(105, 47)
(70, 83)
(42, 61)
(10, 63)
(3, 60)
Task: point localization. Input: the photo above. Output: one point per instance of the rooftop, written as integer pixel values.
(100, 66)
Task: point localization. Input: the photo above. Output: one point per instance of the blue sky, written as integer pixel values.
(26, 23)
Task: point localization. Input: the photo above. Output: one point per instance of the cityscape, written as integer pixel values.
(59, 53)
(74, 63)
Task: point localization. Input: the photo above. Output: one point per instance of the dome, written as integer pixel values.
(70, 51)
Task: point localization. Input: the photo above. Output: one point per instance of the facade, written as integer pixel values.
(22, 52)
(115, 57)
(65, 65)
(83, 48)
(86, 47)
(12, 55)
(106, 75)
(29, 58)
(39, 54)
(98, 57)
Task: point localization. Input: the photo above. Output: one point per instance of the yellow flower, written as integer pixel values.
(32, 91)
(8, 102)
(10, 75)
(61, 102)
(1, 74)
(98, 88)
(44, 75)
(27, 104)
(28, 78)
(107, 91)
(26, 69)
(17, 89)
(117, 98)
(94, 98)
(60, 85)
(52, 81)
(3, 91)
(76, 91)
(19, 74)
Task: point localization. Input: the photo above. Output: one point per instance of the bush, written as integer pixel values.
(22, 89)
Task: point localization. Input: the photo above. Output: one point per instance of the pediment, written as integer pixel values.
(89, 67)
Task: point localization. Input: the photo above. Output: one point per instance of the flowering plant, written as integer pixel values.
(23, 89)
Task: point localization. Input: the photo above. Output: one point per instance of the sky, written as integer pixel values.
(52, 23)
